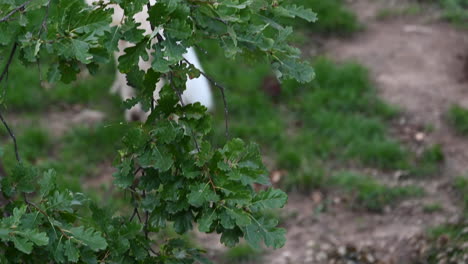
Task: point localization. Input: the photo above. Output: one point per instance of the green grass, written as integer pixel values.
(370, 194)
(333, 17)
(242, 253)
(85, 148)
(389, 13)
(461, 186)
(453, 247)
(456, 11)
(432, 208)
(430, 162)
(37, 144)
(458, 118)
(24, 92)
(455, 236)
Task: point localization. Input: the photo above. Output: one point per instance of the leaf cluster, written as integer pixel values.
(172, 173)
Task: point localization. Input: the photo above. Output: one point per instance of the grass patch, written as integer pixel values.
(35, 144)
(458, 118)
(242, 253)
(306, 178)
(333, 17)
(343, 118)
(370, 194)
(390, 13)
(430, 162)
(26, 93)
(461, 186)
(432, 208)
(456, 11)
(448, 244)
(85, 148)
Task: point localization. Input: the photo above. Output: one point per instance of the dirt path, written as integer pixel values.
(417, 64)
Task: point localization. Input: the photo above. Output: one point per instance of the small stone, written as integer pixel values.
(370, 258)
(310, 244)
(317, 197)
(399, 174)
(321, 256)
(417, 29)
(325, 247)
(419, 136)
(464, 245)
(464, 231)
(342, 251)
(387, 209)
(337, 200)
(276, 176)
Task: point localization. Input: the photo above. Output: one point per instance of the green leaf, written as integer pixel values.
(171, 4)
(294, 11)
(201, 194)
(89, 237)
(132, 55)
(47, 182)
(158, 158)
(24, 177)
(292, 68)
(231, 237)
(22, 244)
(54, 74)
(81, 51)
(183, 222)
(204, 155)
(206, 220)
(167, 131)
(71, 252)
(38, 238)
(124, 176)
(269, 199)
(242, 218)
(265, 230)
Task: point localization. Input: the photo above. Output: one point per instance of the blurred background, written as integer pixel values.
(373, 152)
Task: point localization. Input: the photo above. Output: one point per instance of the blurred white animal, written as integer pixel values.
(198, 90)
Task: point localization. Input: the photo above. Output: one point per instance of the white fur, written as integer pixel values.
(198, 90)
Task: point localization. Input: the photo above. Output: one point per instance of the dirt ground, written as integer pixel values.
(419, 64)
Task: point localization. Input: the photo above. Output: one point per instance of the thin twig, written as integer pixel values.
(135, 211)
(10, 59)
(152, 251)
(31, 204)
(12, 137)
(12, 12)
(145, 227)
(44, 20)
(222, 90)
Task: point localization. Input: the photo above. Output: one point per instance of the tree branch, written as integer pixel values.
(12, 12)
(12, 137)
(10, 59)
(222, 90)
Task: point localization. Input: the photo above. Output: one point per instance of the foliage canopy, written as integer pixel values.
(172, 173)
